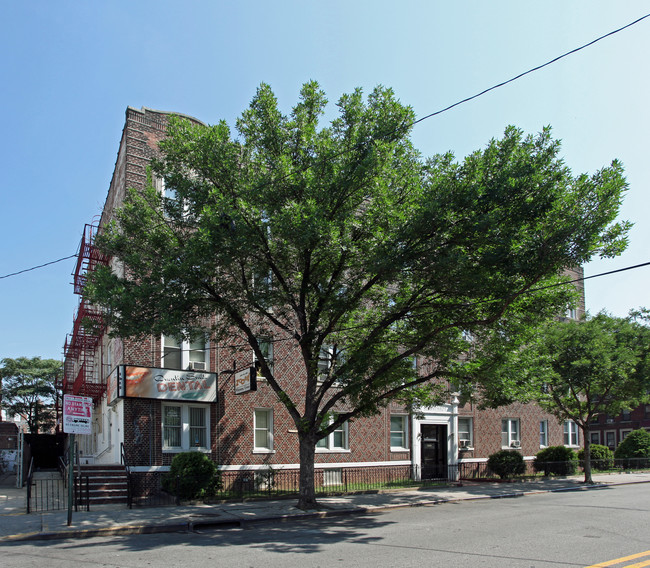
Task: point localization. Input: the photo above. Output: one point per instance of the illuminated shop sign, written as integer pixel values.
(166, 384)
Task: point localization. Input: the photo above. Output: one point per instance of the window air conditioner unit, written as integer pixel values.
(197, 365)
(463, 444)
(515, 444)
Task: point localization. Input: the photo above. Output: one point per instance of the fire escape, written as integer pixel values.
(82, 366)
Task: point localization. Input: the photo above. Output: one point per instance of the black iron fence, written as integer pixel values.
(49, 492)
(477, 471)
(278, 483)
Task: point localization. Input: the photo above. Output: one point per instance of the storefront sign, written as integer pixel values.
(77, 414)
(112, 393)
(167, 384)
(246, 381)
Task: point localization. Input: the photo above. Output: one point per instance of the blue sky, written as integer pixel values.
(69, 70)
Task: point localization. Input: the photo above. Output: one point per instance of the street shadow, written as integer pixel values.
(294, 535)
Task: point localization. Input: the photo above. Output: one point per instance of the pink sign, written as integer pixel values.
(77, 414)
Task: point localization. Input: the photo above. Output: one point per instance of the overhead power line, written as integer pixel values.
(39, 266)
(438, 112)
(503, 83)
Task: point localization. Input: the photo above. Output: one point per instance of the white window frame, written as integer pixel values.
(510, 436)
(268, 448)
(543, 433)
(329, 355)
(468, 436)
(624, 433)
(328, 444)
(184, 427)
(261, 341)
(571, 434)
(594, 437)
(189, 353)
(403, 431)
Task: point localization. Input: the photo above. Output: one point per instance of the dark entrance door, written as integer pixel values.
(433, 451)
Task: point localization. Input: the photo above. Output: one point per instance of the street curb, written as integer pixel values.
(193, 523)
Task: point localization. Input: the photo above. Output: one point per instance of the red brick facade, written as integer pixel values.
(138, 423)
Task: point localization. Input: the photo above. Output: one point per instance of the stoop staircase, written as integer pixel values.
(107, 484)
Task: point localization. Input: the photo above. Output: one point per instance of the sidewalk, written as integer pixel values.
(106, 520)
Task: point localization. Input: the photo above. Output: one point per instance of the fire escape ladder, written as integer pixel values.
(81, 345)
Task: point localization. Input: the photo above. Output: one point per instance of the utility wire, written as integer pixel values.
(37, 267)
(531, 70)
(436, 113)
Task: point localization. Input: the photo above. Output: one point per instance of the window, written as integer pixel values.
(172, 427)
(329, 356)
(179, 354)
(594, 437)
(510, 437)
(266, 347)
(543, 433)
(336, 440)
(626, 415)
(185, 427)
(610, 439)
(465, 439)
(263, 430)
(624, 434)
(399, 432)
(570, 433)
(333, 477)
(646, 411)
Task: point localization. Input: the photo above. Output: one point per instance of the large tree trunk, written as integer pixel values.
(587, 460)
(307, 491)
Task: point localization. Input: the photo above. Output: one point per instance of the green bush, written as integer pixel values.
(601, 457)
(556, 460)
(507, 463)
(192, 475)
(636, 445)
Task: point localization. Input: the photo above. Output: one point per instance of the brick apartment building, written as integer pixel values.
(141, 412)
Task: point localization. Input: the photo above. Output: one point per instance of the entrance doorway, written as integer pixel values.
(433, 451)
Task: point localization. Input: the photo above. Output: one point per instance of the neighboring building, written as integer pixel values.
(141, 413)
(610, 431)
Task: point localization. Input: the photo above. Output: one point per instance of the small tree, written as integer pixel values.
(29, 388)
(577, 370)
(507, 463)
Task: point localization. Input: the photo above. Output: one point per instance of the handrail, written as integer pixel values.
(30, 473)
(129, 494)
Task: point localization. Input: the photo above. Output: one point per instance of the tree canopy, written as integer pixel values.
(578, 370)
(29, 389)
(346, 236)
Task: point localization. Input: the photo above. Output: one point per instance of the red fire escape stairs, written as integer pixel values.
(80, 376)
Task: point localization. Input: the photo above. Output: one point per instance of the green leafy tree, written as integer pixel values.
(578, 370)
(29, 388)
(344, 240)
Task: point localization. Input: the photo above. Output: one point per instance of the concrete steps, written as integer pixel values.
(106, 484)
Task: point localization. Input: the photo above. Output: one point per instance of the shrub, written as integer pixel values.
(601, 457)
(556, 460)
(507, 463)
(192, 475)
(635, 446)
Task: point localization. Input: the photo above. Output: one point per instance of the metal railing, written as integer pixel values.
(129, 483)
(277, 483)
